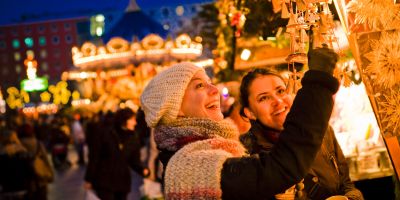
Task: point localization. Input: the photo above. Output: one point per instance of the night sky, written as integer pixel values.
(15, 11)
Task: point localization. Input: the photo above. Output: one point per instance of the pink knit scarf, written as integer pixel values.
(173, 136)
(194, 172)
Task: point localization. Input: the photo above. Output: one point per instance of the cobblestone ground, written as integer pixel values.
(68, 182)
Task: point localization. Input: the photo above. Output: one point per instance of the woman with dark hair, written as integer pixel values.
(266, 102)
(112, 153)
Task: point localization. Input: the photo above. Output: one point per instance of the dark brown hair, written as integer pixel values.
(247, 80)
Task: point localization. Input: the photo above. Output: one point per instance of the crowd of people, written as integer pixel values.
(25, 169)
(111, 140)
(289, 151)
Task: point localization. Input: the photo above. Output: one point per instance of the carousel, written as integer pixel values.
(113, 75)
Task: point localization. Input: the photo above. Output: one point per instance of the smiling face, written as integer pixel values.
(268, 101)
(201, 99)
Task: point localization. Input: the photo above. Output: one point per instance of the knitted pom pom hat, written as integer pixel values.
(162, 98)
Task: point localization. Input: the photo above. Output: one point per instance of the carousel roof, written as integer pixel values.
(135, 23)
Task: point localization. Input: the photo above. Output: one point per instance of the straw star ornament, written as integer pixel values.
(378, 14)
(390, 111)
(385, 60)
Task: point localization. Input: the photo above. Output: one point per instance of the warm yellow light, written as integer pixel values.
(198, 39)
(16, 98)
(45, 96)
(179, 10)
(75, 95)
(152, 47)
(245, 55)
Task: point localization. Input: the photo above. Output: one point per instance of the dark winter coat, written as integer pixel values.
(16, 172)
(266, 174)
(111, 155)
(329, 173)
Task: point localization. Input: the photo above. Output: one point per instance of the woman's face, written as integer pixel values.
(201, 99)
(268, 101)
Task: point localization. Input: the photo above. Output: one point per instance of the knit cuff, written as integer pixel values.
(312, 77)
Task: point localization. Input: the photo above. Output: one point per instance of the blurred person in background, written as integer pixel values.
(78, 136)
(16, 172)
(243, 125)
(38, 185)
(58, 143)
(112, 154)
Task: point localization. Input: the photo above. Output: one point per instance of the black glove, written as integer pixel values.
(322, 59)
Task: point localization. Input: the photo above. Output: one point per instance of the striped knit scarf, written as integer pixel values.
(202, 146)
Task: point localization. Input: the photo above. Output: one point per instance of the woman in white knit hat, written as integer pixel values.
(201, 154)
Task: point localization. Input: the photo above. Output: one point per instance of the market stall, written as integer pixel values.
(372, 30)
(366, 115)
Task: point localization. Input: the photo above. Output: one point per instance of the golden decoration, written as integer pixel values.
(117, 45)
(378, 14)
(76, 95)
(390, 111)
(385, 60)
(60, 92)
(118, 51)
(88, 49)
(45, 96)
(152, 41)
(16, 98)
(183, 41)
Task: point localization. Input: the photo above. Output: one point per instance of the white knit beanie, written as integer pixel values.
(162, 98)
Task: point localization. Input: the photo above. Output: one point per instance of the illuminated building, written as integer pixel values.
(48, 41)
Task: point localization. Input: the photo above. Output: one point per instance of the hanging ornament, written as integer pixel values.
(390, 112)
(304, 16)
(378, 14)
(385, 60)
(285, 12)
(301, 5)
(277, 5)
(290, 28)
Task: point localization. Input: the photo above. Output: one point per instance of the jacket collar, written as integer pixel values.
(264, 134)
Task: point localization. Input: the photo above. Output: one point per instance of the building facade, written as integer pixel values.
(49, 41)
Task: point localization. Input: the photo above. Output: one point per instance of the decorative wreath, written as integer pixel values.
(117, 45)
(183, 41)
(390, 111)
(152, 41)
(88, 49)
(385, 60)
(378, 14)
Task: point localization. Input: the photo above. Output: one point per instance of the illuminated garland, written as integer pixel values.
(117, 45)
(152, 41)
(230, 16)
(183, 41)
(152, 47)
(16, 98)
(60, 93)
(88, 49)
